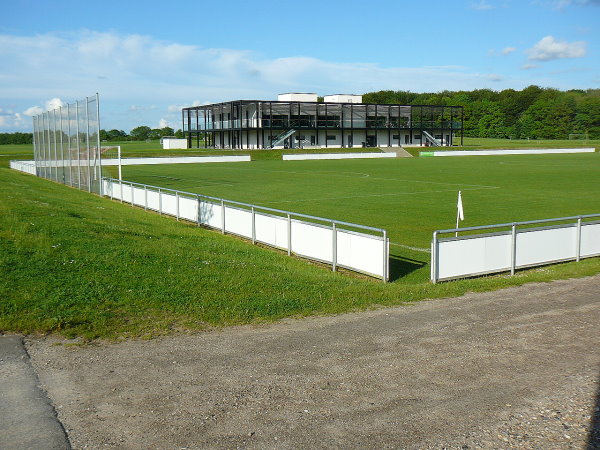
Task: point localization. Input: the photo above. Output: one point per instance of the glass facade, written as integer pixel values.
(269, 124)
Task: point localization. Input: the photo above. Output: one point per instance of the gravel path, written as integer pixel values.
(517, 368)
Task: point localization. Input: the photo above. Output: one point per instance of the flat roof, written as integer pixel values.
(318, 103)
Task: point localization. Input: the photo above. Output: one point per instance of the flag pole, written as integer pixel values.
(459, 213)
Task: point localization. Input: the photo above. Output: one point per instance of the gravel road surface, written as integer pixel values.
(516, 368)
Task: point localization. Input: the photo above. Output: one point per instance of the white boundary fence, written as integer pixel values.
(174, 160)
(514, 151)
(520, 245)
(315, 238)
(24, 166)
(337, 156)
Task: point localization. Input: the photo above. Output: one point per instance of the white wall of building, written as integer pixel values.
(343, 98)
(297, 97)
(168, 143)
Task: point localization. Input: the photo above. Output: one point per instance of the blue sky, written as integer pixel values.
(148, 59)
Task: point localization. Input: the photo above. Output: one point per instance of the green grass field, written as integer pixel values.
(409, 197)
(80, 265)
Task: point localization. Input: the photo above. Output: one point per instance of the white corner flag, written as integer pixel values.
(460, 214)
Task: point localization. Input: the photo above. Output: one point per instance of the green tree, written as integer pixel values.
(166, 131)
(140, 133)
(587, 117)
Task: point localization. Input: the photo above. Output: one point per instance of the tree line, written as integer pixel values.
(141, 133)
(16, 138)
(534, 112)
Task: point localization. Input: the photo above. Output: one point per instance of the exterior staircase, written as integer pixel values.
(282, 137)
(434, 142)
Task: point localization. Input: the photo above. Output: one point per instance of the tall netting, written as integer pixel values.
(67, 145)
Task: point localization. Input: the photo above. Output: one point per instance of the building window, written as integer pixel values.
(331, 138)
(417, 136)
(396, 136)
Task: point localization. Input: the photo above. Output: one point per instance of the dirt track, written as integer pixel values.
(517, 367)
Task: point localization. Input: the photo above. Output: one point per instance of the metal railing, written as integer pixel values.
(514, 229)
(334, 225)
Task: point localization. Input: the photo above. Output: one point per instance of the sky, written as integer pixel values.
(148, 59)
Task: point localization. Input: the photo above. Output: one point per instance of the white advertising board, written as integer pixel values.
(469, 256)
(590, 239)
(174, 160)
(362, 252)
(271, 230)
(337, 156)
(312, 241)
(543, 246)
(512, 152)
(238, 221)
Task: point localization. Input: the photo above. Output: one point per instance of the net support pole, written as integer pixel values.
(119, 158)
(87, 143)
(98, 148)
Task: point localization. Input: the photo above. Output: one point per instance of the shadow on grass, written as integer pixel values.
(401, 266)
(594, 436)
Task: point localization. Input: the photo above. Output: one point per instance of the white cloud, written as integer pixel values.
(141, 107)
(549, 48)
(33, 111)
(12, 120)
(482, 6)
(162, 123)
(529, 66)
(54, 103)
(494, 77)
(178, 108)
(508, 50)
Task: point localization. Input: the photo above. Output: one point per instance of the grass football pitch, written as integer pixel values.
(409, 197)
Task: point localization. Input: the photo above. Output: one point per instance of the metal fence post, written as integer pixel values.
(253, 226)
(386, 260)
(145, 197)
(333, 246)
(578, 242)
(434, 258)
(289, 233)
(198, 208)
(222, 217)
(513, 249)
(132, 191)
(121, 191)
(177, 205)
(159, 202)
